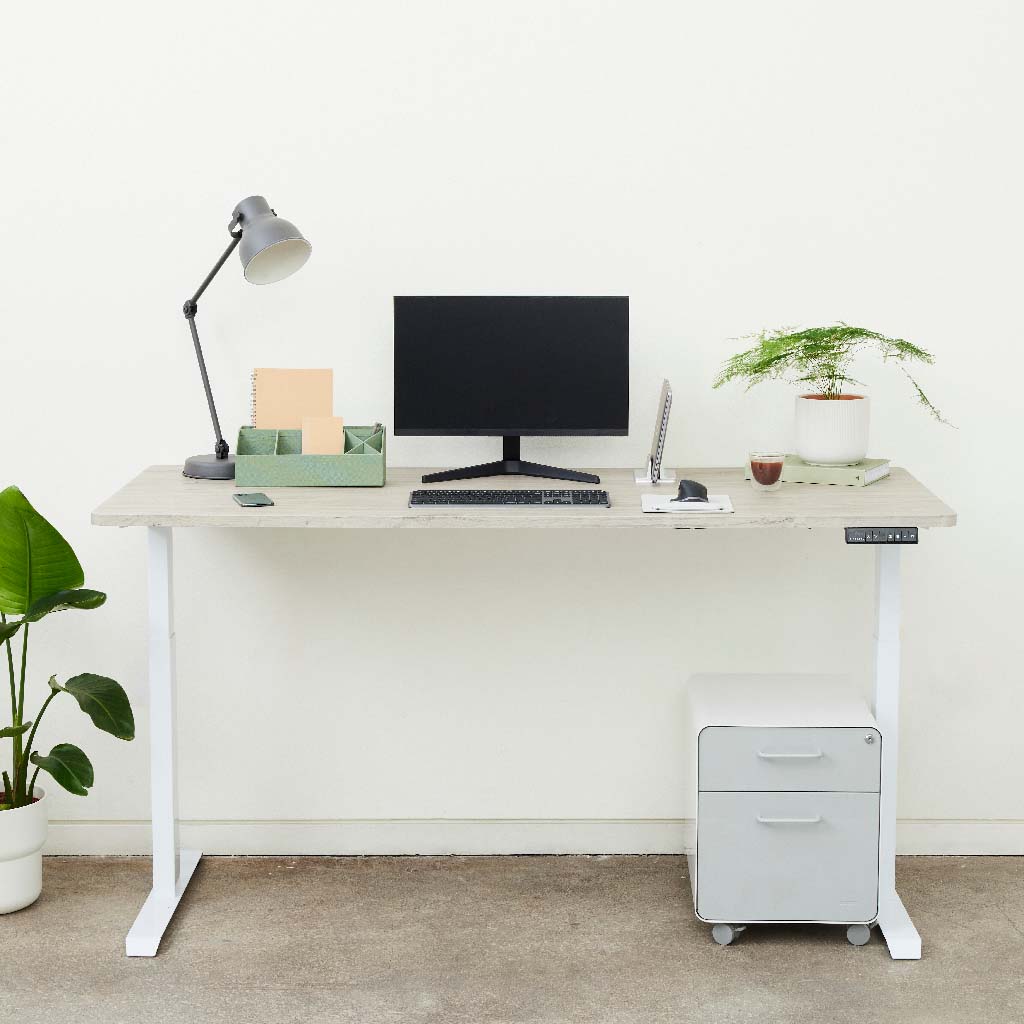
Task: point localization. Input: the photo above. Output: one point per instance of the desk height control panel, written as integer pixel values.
(881, 534)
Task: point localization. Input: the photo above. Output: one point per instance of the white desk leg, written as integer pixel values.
(172, 868)
(900, 934)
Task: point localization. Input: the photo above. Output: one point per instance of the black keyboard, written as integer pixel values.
(499, 499)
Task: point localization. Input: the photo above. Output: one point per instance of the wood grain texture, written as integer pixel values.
(161, 496)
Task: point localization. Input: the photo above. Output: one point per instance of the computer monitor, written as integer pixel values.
(511, 366)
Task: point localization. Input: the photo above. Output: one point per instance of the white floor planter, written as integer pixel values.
(22, 834)
(832, 431)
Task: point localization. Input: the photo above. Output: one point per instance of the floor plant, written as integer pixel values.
(40, 575)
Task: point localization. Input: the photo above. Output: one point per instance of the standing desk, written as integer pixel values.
(162, 500)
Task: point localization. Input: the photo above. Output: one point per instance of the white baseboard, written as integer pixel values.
(968, 836)
(484, 836)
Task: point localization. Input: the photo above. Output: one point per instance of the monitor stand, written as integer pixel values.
(511, 465)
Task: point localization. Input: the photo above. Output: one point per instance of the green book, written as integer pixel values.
(796, 471)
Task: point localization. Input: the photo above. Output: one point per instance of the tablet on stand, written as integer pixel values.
(652, 473)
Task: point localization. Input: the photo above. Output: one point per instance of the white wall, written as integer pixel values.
(730, 167)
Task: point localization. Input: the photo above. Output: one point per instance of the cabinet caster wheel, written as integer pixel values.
(724, 934)
(858, 934)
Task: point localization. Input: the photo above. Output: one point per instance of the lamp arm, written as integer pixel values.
(190, 308)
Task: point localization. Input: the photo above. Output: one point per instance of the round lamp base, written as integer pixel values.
(209, 467)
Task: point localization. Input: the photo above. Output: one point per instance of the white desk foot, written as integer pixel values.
(156, 913)
(900, 934)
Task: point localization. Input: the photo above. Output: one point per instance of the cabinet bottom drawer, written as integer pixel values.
(787, 857)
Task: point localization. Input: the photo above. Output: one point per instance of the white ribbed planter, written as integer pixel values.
(22, 834)
(832, 431)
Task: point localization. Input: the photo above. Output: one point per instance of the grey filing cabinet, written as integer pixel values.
(787, 774)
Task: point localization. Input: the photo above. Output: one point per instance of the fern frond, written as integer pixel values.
(924, 400)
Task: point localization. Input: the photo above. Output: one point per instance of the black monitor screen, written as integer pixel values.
(506, 365)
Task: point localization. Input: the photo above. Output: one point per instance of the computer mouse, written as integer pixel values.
(690, 490)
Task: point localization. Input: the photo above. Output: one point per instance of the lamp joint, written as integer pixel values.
(190, 309)
(220, 449)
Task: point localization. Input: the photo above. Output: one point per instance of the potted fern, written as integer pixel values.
(40, 575)
(831, 423)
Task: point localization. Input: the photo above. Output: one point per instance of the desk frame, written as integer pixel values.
(173, 866)
(900, 934)
(144, 504)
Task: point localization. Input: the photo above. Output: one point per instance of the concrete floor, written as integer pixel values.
(488, 939)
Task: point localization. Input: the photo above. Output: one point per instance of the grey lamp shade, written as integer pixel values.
(271, 247)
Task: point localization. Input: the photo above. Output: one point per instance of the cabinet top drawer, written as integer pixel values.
(745, 759)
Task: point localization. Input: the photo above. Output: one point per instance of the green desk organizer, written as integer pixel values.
(273, 458)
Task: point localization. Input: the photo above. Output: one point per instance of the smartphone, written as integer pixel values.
(252, 500)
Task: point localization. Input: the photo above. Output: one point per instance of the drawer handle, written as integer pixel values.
(789, 821)
(766, 755)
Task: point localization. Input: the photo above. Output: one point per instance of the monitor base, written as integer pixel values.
(511, 465)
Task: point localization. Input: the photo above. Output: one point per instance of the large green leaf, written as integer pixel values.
(8, 629)
(35, 560)
(69, 766)
(105, 702)
(62, 600)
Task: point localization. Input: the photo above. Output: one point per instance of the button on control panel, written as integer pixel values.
(881, 534)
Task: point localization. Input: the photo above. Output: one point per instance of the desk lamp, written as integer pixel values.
(271, 249)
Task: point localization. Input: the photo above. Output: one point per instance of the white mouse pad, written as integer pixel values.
(657, 503)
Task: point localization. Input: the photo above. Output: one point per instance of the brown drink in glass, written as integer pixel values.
(766, 470)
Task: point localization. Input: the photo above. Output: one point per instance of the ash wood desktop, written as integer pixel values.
(161, 499)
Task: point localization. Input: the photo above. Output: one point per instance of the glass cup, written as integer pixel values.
(766, 470)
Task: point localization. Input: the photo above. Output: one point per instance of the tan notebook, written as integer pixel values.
(280, 398)
(322, 435)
